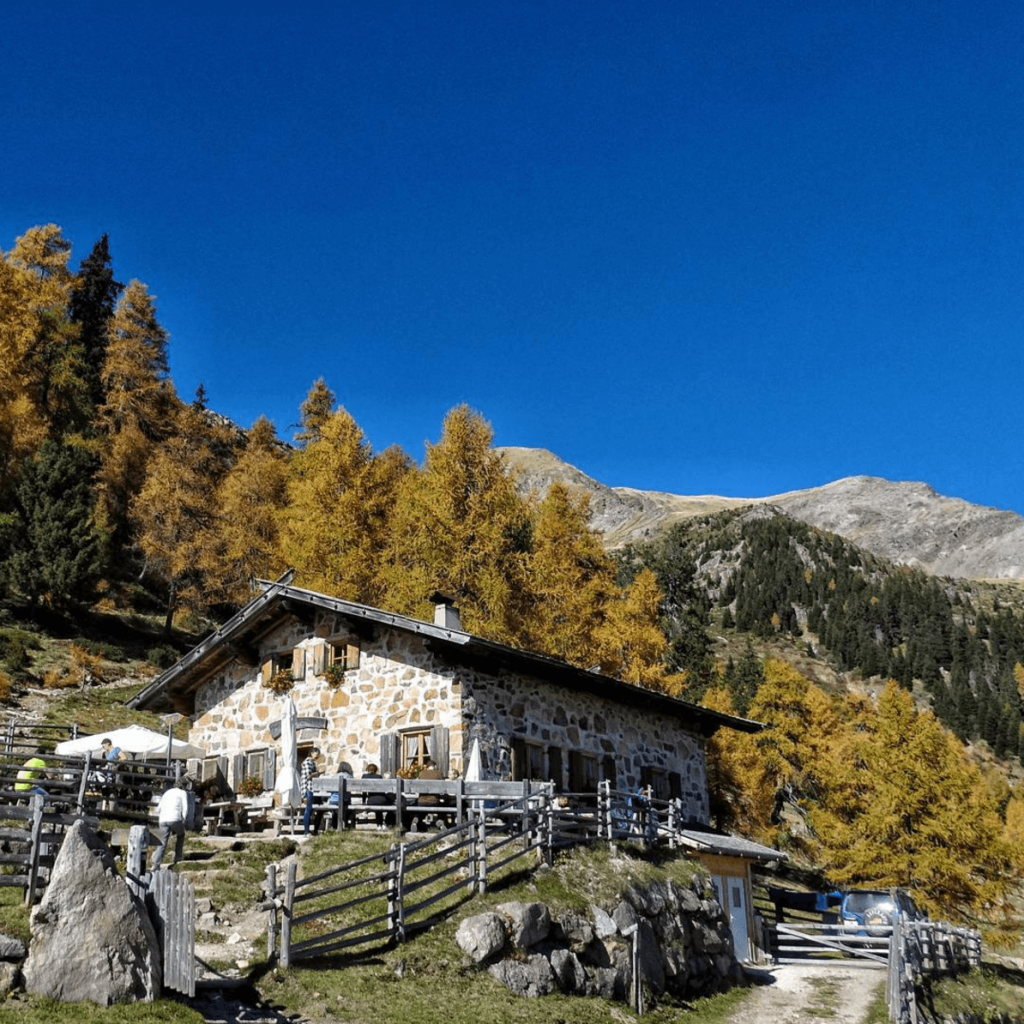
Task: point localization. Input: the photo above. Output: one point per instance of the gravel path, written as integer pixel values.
(802, 994)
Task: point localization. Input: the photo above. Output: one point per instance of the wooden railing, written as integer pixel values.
(489, 825)
(383, 899)
(918, 949)
(33, 819)
(604, 813)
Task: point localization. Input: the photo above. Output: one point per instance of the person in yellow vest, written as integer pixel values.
(31, 770)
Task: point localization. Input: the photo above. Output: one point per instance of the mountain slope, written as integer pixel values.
(907, 523)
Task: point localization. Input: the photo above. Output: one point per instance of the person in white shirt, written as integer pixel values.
(171, 813)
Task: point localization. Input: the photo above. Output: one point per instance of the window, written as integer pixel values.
(415, 748)
(582, 772)
(555, 766)
(527, 760)
(343, 653)
(658, 781)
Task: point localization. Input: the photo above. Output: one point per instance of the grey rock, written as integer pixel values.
(706, 939)
(568, 971)
(604, 926)
(625, 917)
(530, 977)
(481, 937)
(11, 949)
(572, 929)
(10, 975)
(91, 937)
(689, 901)
(528, 923)
(605, 983)
(652, 960)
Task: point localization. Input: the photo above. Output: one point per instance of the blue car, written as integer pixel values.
(874, 911)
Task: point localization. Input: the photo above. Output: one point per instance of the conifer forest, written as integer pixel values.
(893, 699)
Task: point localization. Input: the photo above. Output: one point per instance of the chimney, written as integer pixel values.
(446, 615)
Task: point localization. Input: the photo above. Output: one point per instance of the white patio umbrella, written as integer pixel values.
(287, 783)
(132, 739)
(473, 769)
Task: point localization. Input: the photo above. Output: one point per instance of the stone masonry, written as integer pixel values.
(401, 684)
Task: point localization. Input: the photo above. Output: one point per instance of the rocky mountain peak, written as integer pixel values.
(908, 523)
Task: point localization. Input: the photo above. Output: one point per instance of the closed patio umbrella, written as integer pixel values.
(287, 783)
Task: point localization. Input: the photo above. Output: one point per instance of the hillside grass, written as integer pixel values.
(400, 984)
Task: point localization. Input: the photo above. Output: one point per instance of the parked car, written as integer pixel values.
(874, 911)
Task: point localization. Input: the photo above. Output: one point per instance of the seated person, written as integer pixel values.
(429, 771)
(375, 799)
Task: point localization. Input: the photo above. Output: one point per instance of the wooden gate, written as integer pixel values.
(807, 943)
(171, 901)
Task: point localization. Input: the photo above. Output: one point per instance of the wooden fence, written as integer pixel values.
(606, 813)
(35, 817)
(383, 899)
(918, 949)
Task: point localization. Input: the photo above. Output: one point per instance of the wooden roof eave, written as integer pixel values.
(243, 628)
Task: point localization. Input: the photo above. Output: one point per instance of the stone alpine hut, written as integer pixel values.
(373, 686)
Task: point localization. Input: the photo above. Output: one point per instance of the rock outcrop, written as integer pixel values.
(91, 936)
(907, 523)
(684, 945)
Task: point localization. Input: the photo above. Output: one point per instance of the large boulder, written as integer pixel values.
(530, 977)
(481, 937)
(528, 923)
(91, 936)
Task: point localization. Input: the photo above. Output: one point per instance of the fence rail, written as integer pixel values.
(403, 890)
(918, 949)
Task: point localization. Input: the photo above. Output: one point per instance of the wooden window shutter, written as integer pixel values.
(439, 748)
(270, 768)
(266, 671)
(555, 766)
(519, 762)
(575, 772)
(299, 663)
(389, 748)
(237, 770)
(319, 657)
(352, 656)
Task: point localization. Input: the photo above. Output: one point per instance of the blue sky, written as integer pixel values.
(733, 248)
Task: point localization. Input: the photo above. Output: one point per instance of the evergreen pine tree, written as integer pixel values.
(53, 556)
(92, 301)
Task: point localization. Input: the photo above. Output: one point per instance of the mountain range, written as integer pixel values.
(906, 523)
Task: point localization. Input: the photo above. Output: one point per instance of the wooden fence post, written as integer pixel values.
(138, 838)
(481, 864)
(286, 917)
(83, 783)
(396, 904)
(271, 886)
(549, 853)
(35, 848)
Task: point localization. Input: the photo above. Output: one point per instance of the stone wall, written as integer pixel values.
(400, 683)
(684, 949)
(497, 709)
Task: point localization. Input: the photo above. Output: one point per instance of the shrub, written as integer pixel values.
(163, 656)
(5, 686)
(14, 647)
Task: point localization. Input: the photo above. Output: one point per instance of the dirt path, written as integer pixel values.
(801, 995)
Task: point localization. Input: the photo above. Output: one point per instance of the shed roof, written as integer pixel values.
(238, 639)
(708, 840)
